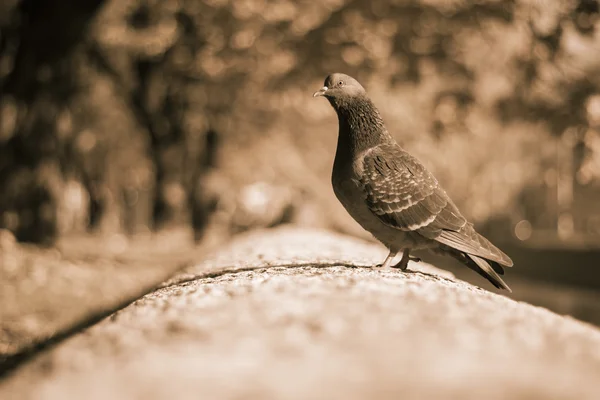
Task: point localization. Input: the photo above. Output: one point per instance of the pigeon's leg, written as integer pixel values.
(388, 260)
(403, 264)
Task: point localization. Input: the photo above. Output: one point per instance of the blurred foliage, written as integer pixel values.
(129, 115)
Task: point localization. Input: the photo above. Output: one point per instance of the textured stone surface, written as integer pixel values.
(241, 325)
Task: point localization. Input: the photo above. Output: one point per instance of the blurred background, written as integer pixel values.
(119, 118)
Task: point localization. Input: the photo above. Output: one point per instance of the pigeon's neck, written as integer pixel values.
(360, 126)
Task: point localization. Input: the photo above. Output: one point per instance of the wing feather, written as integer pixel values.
(404, 195)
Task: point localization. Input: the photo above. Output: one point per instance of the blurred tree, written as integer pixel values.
(127, 112)
(38, 40)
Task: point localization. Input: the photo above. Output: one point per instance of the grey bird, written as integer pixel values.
(392, 195)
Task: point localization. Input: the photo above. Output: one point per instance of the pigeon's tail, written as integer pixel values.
(488, 269)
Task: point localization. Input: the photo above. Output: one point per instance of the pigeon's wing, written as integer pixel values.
(404, 195)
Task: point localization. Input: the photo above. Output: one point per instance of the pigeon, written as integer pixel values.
(392, 195)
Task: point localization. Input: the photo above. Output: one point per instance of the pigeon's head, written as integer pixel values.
(340, 86)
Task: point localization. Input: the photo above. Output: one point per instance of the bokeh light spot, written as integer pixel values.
(523, 230)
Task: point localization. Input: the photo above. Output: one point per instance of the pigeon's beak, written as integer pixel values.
(320, 92)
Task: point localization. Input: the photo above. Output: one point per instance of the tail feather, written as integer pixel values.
(483, 268)
(489, 269)
(496, 267)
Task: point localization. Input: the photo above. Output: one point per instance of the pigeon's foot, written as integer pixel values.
(384, 266)
(388, 261)
(403, 264)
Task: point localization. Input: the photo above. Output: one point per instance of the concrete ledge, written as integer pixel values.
(272, 316)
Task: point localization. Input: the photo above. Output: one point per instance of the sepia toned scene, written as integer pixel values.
(172, 224)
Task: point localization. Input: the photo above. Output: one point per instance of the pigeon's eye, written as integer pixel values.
(341, 83)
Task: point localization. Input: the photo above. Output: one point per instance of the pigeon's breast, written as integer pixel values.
(347, 187)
